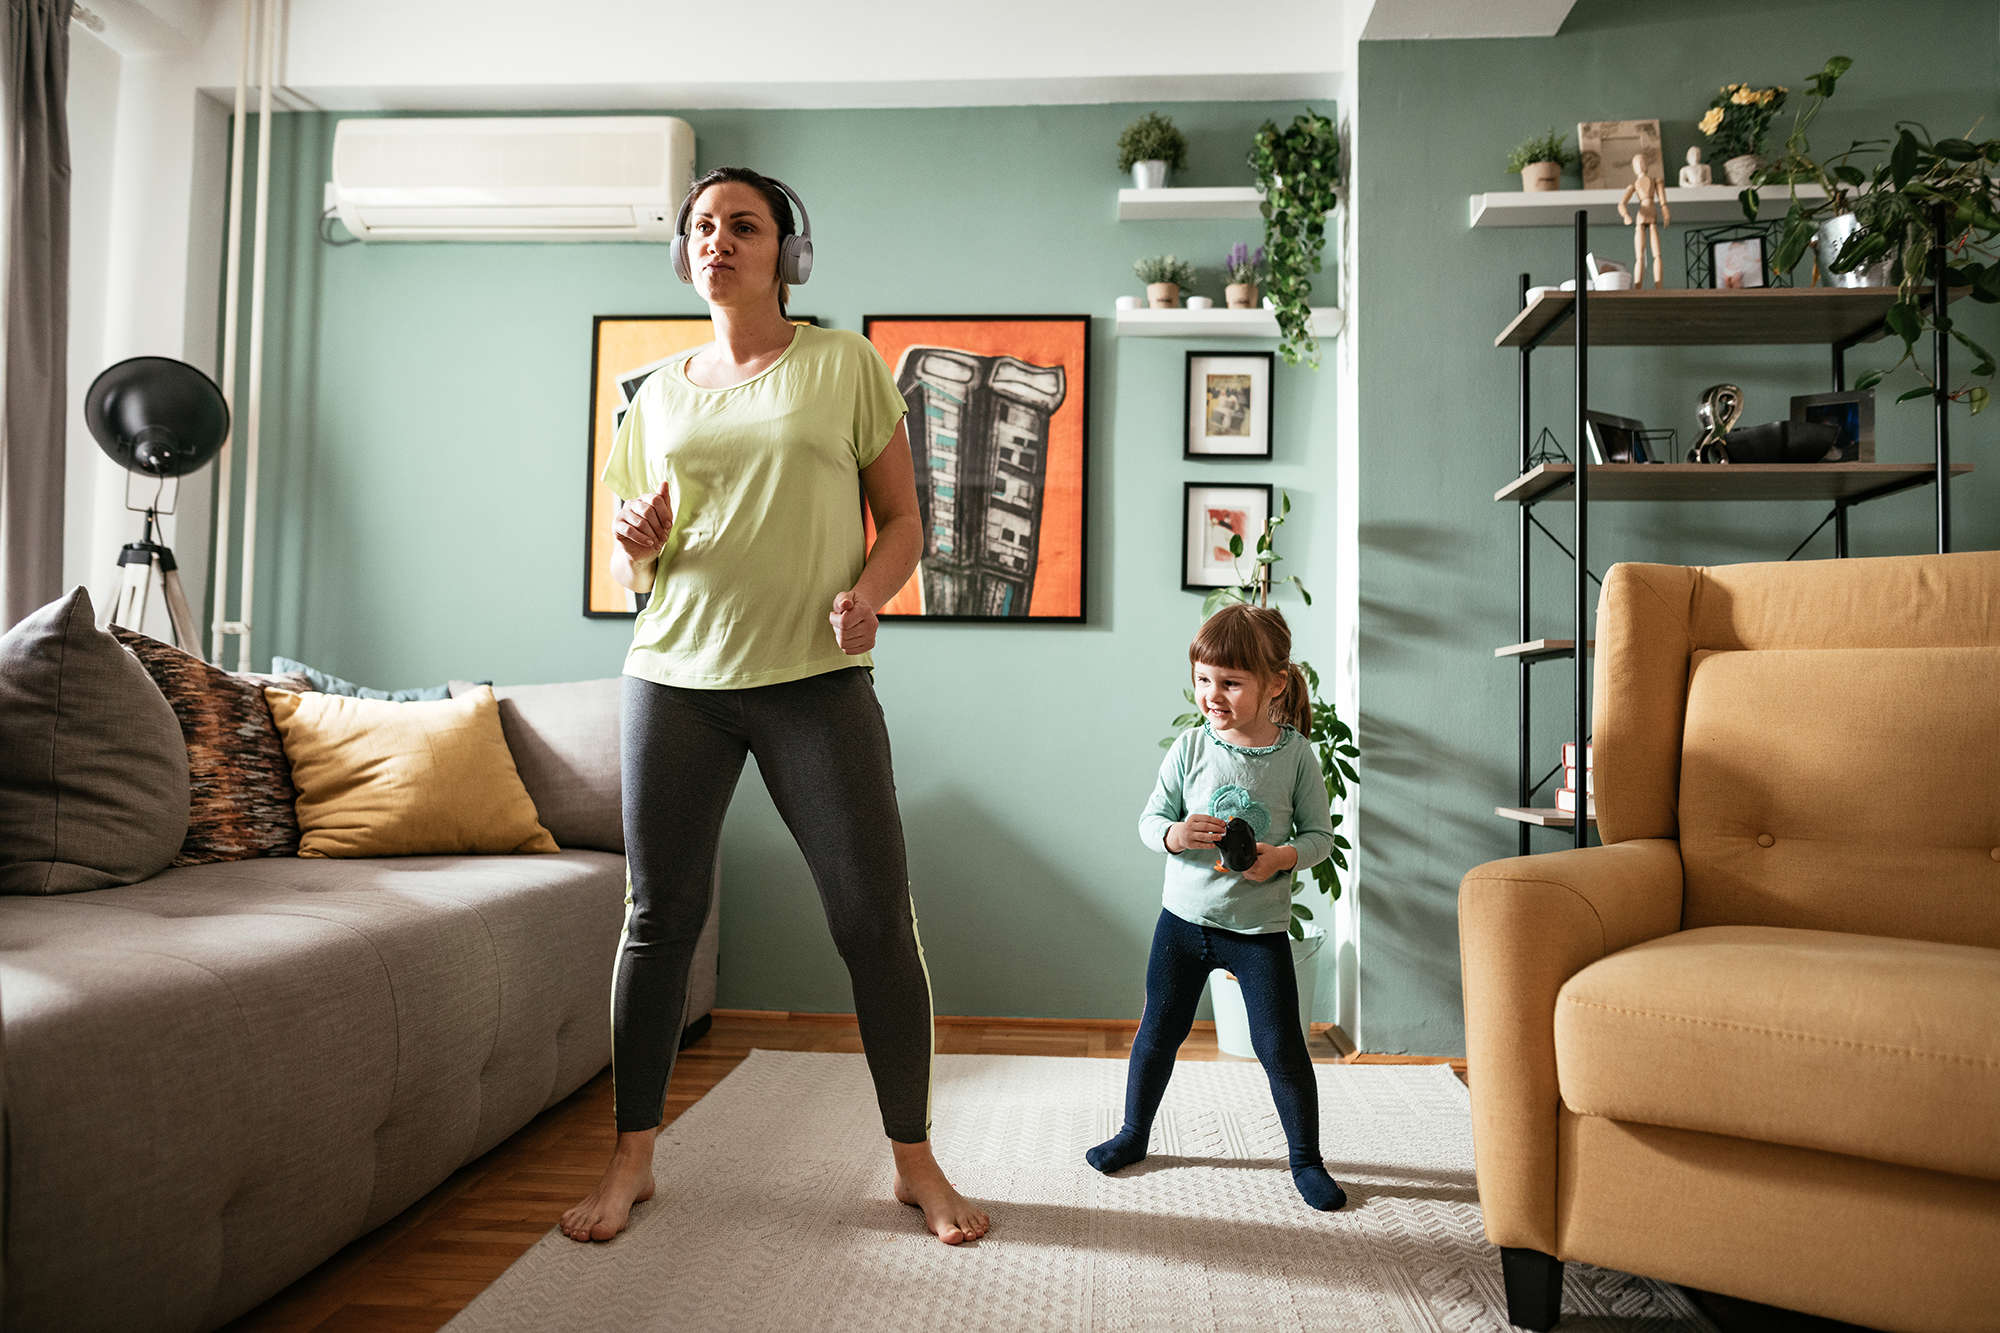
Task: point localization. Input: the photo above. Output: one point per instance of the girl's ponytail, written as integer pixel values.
(1293, 708)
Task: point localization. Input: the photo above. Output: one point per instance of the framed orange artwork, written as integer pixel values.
(998, 426)
(624, 350)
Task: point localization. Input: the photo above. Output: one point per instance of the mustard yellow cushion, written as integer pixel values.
(404, 779)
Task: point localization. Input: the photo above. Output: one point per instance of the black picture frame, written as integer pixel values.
(1085, 331)
(1615, 439)
(1189, 580)
(1268, 360)
(1704, 268)
(1853, 412)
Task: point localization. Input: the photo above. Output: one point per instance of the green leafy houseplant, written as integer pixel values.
(1911, 189)
(1152, 137)
(1165, 268)
(1548, 147)
(1298, 170)
(1331, 738)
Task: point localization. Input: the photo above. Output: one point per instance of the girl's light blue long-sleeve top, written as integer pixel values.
(1278, 788)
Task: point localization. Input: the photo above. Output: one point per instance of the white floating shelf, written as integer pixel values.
(1219, 322)
(1224, 202)
(1557, 208)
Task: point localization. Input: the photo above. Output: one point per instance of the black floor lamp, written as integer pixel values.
(158, 418)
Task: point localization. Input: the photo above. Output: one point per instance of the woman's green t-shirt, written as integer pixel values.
(764, 477)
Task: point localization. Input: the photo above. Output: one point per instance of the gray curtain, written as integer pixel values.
(34, 82)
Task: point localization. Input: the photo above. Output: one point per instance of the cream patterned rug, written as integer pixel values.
(774, 1212)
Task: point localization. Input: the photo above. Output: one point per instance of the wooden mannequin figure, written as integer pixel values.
(1647, 194)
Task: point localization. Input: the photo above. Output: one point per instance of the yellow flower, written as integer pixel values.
(1710, 121)
(1742, 97)
(1768, 96)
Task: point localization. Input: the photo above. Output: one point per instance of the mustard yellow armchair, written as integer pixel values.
(1751, 1044)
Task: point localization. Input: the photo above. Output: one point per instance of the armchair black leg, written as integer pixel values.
(1534, 1288)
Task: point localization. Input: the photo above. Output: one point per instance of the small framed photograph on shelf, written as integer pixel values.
(1853, 413)
(1211, 518)
(1607, 148)
(1732, 258)
(1615, 439)
(1226, 410)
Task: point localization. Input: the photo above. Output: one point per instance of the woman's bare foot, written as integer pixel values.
(920, 1183)
(627, 1180)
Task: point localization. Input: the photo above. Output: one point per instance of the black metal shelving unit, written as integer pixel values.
(1840, 318)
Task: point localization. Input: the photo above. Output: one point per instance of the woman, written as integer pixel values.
(736, 465)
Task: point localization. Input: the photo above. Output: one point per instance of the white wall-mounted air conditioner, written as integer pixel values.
(511, 178)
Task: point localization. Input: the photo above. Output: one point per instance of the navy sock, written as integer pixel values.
(1318, 1188)
(1122, 1149)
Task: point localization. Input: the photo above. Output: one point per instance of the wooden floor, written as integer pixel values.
(414, 1273)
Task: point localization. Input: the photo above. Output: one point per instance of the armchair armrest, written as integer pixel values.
(1525, 926)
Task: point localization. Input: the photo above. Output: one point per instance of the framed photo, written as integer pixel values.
(1852, 412)
(1210, 517)
(624, 350)
(1226, 407)
(1608, 147)
(1732, 257)
(998, 425)
(1615, 439)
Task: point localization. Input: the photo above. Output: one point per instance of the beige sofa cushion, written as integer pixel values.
(1879, 1048)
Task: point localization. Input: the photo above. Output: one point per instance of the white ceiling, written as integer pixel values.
(1395, 20)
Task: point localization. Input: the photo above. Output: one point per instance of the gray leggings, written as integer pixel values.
(823, 749)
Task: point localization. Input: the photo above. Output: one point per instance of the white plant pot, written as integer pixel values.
(1150, 174)
(1232, 1019)
(1738, 170)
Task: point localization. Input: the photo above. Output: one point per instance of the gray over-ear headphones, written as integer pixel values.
(795, 252)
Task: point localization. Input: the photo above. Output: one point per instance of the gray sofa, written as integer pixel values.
(213, 1079)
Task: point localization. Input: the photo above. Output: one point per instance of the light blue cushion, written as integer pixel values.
(326, 683)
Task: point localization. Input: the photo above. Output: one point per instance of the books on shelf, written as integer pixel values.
(1570, 776)
(1566, 802)
(1569, 755)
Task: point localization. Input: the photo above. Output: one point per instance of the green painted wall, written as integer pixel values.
(425, 438)
(1437, 407)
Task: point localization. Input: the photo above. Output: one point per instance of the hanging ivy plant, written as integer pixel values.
(1297, 169)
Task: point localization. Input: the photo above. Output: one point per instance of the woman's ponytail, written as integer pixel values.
(1293, 708)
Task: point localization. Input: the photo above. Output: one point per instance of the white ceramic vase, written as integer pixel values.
(1738, 170)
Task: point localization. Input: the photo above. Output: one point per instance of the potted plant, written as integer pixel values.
(1298, 172)
(1333, 740)
(1148, 147)
(1918, 194)
(1541, 159)
(1164, 276)
(1735, 124)
(1244, 269)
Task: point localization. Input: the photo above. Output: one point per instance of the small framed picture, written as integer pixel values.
(1211, 516)
(1227, 409)
(1852, 412)
(1615, 439)
(1607, 148)
(1738, 263)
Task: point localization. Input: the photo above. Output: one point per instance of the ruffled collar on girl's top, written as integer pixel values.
(1285, 733)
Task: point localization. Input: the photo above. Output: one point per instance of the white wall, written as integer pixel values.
(93, 132)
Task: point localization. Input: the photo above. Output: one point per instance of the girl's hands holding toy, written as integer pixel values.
(1194, 833)
(641, 526)
(854, 623)
(1271, 861)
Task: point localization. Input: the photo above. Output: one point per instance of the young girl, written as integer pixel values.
(1249, 760)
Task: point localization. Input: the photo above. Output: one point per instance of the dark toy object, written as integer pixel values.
(1238, 847)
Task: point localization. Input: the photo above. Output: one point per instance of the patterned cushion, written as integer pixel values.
(242, 794)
